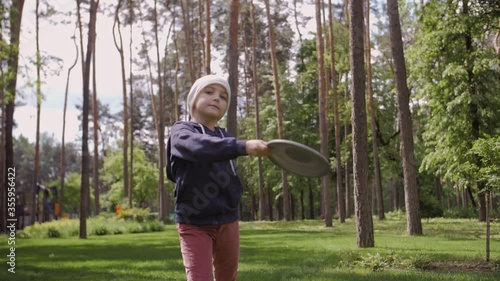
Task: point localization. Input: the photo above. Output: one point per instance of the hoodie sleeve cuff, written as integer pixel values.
(242, 150)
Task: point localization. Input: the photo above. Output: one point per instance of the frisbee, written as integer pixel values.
(297, 158)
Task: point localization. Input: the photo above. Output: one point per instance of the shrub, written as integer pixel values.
(155, 226)
(349, 259)
(430, 207)
(374, 262)
(101, 230)
(136, 214)
(461, 213)
(379, 262)
(52, 232)
(418, 261)
(95, 226)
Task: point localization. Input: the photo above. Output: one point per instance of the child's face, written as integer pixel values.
(212, 101)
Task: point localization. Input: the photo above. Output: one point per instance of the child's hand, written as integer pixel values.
(257, 148)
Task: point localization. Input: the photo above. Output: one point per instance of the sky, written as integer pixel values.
(55, 40)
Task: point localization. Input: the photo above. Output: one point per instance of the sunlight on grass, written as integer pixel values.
(300, 250)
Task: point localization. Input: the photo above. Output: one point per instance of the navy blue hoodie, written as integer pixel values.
(199, 162)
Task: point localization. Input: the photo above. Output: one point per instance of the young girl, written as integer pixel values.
(207, 186)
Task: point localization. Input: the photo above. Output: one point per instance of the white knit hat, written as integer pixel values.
(201, 83)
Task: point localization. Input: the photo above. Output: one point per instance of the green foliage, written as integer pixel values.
(488, 149)
(454, 71)
(145, 180)
(100, 230)
(374, 262)
(418, 261)
(53, 232)
(380, 262)
(270, 251)
(429, 207)
(50, 157)
(98, 226)
(72, 193)
(460, 213)
(136, 214)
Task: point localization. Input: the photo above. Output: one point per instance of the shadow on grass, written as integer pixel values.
(121, 257)
(266, 254)
(310, 255)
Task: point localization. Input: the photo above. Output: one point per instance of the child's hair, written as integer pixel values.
(201, 83)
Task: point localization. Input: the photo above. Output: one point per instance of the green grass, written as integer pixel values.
(269, 251)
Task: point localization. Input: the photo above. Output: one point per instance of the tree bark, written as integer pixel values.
(376, 163)
(338, 148)
(188, 34)
(84, 190)
(232, 53)
(63, 137)
(263, 210)
(38, 108)
(414, 224)
(279, 112)
(119, 47)
(364, 223)
(438, 190)
(95, 118)
(208, 38)
(131, 107)
(323, 126)
(162, 204)
(16, 14)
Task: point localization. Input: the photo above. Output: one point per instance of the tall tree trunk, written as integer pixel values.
(473, 109)
(63, 137)
(348, 193)
(188, 35)
(80, 28)
(119, 48)
(364, 223)
(263, 210)
(232, 53)
(82, 60)
(208, 38)
(163, 212)
(150, 79)
(177, 69)
(16, 14)
(376, 163)
(347, 172)
(311, 199)
(438, 190)
(38, 106)
(279, 112)
(3, 182)
(131, 97)
(394, 194)
(488, 226)
(172, 116)
(323, 126)
(414, 224)
(95, 118)
(176, 88)
(270, 202)
(338, 148)
(84, 190)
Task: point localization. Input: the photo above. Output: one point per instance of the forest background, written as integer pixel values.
(294, 80)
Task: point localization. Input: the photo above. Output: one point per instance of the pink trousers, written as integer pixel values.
(209, 250)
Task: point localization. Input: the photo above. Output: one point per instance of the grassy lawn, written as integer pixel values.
(269, 251)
